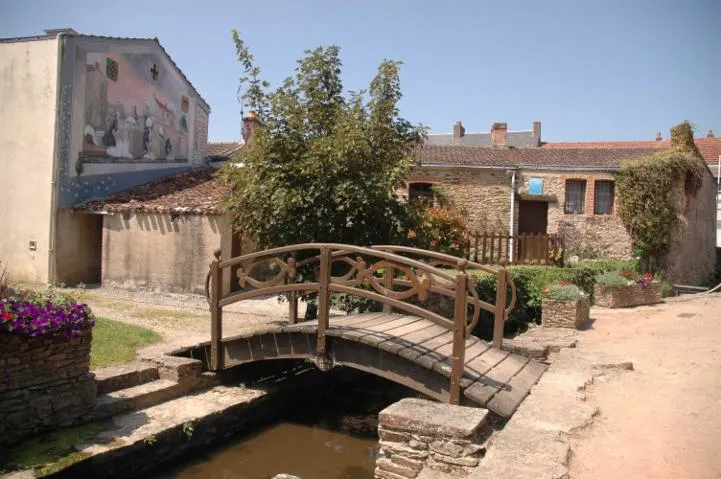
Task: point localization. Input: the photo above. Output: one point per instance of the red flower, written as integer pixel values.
(7, 317)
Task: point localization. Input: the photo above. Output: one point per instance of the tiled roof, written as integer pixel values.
(710, 148)
(196, 192)
(561, 158)
(223, 150)
(517, 139)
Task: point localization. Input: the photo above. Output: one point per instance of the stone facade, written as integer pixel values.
(565, 314)
(45, 383)
(586, 234)
(416, 434)
(483, 194)
(626, 296)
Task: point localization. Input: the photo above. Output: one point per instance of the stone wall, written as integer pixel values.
(417, 434)
(565, 314)
(693, 248)
(626, 296)
(45, 383)
(159, 252)
(483, 194)
(586, 235)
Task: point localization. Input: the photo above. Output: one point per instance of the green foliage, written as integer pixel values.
(188, 429)
(612, 279)
(151, 440)
(648, 197)
(321, 166)
(441, 229)
(530, 282)
(563, 292)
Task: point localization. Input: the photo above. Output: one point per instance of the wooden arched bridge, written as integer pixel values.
(409, 342)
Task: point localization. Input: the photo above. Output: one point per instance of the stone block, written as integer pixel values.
(422, 416)
(394, 436)
(627, 296)
(403, 471)
(565, 314)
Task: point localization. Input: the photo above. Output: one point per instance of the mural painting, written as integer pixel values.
(134, 111)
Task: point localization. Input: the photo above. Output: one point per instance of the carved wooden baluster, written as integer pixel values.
(499, 318)
(388, 284)
(216, 315)
(323, 299)
(293, 295)
(459, 337)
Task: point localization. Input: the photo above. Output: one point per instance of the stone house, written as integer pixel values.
(558, 190)
(84, 117)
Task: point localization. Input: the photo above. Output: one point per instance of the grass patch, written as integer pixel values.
(51, 452)
(157, 313)
(116, 343)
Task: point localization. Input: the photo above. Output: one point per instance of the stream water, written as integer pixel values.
(332, 437)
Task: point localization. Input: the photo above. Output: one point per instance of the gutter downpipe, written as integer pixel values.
(513, 216)
(52, 269)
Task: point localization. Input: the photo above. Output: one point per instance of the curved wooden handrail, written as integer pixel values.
(415, 277)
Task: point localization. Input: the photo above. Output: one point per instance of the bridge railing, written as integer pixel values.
(388, 274)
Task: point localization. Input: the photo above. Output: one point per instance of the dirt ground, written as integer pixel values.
(663, 420)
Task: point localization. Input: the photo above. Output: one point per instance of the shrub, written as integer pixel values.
(563, 291)
(441, 229)
(612, 279)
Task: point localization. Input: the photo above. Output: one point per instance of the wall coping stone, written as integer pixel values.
(413, 414)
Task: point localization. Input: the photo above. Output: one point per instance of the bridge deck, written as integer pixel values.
(494, 379)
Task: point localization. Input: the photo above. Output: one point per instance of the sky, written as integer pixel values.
(588, 70)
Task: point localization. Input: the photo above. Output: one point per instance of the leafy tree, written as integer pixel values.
(322, 166)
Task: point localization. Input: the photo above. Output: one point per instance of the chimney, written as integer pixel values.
(499, 134)
(658, 136)
(250, 122)
(458, 130)
(537, 130)
(710, 134)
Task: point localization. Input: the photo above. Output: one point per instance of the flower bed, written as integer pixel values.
(625, 290)
(564, 306)
(45, 381)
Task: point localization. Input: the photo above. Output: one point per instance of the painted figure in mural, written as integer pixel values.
(147, 135)
(111, 131)
(168, 148)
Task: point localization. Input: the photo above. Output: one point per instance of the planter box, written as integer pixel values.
(45, 383)
(626, 296)
(565, 314)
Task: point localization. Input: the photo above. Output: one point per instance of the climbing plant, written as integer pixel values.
(647, 193)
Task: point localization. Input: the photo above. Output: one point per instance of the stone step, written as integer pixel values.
(138, 397)
(125, 376)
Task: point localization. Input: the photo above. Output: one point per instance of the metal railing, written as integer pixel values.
(390, 275)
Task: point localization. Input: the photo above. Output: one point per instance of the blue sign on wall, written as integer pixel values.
(535, 186)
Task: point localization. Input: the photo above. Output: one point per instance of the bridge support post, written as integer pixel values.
(388, 284)
(499, 317)
(216, 317)
(293, 295)
(459, 337)
(323, 299)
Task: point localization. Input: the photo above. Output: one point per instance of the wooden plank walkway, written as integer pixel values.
(494, 379)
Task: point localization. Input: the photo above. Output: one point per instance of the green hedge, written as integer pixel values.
(530, 281)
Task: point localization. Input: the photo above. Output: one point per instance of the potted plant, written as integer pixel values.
(623, 289)
(564, 305)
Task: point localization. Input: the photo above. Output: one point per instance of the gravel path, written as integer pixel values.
(663, 420)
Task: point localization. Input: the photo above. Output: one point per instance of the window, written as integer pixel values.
(420, 192)
(575, 196)
(603, 201)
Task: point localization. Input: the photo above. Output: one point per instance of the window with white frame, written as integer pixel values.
(575, 196)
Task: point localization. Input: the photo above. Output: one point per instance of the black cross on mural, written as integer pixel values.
(154, 71)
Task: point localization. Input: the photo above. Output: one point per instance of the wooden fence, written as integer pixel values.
(539, 248)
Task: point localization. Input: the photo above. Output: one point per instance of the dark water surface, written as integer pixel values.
(331, 437)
